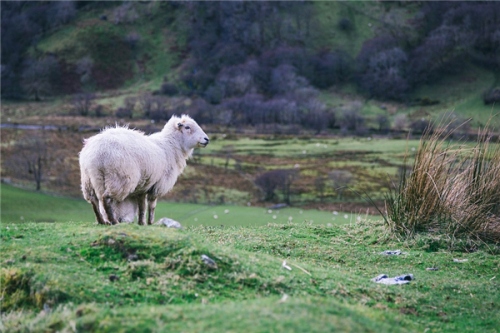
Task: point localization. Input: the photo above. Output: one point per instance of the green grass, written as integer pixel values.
(309, 146)
(462, 94)
(78, 276)
(19, 206)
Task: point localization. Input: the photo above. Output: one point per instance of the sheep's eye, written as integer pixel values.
(187, 127)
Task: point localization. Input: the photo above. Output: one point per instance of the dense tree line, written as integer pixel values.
(23, 24)
(249, 60)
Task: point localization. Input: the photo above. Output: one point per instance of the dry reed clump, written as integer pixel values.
(452, 189)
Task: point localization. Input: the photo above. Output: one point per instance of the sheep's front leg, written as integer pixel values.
(141, 202)
(108, 208)
(151, 209)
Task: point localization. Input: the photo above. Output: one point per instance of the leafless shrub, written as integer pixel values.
(281, 179)
(340, 180)
(82, 103)
(31, 159)
(400, 122)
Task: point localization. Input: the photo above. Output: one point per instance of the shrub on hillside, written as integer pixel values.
(236, 80)
(329, 68)
(351, 119)
(284, 79)
(345, 24)
(441, 53)
(132, 39)
(127, 110)
(491, 96)
(419, 126)
(168, 89)
(40, 76)
(384, 73)
(111, 56)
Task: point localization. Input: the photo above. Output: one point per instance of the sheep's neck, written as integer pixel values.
(180, 155)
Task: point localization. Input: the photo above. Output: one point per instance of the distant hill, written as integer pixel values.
(315, 64)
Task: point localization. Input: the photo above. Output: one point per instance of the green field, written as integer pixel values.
(68, 274)
(20, 206)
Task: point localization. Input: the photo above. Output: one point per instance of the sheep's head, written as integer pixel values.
(190, 133)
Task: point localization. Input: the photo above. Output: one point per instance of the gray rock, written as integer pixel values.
(169, 223)
(392, 252)
(209, 261)
(402, 279)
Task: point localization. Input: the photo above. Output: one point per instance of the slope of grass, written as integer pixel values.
(461, 93)
(78, 276)
(19, 205)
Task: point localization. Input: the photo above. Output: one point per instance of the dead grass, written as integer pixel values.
(452, 188)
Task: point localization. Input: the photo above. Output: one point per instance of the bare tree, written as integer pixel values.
(383, 123)
(281, 179)
(83, 102)
(320, 186)
(288, 177)
(229, 151)
(340, 179)
(31, 158)
(268, 184)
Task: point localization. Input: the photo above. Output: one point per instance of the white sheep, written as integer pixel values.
(120, 166)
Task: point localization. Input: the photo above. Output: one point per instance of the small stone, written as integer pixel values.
(209, 261)
(460, 260)
(169, 223)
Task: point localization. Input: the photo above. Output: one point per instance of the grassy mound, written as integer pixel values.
(78, 276)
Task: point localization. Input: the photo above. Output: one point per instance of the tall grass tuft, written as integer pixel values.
(452, 188)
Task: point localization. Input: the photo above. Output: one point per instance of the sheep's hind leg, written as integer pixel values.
(108, 207)
(141, 201)
(95, 206)
(92, 198)
(151, 209)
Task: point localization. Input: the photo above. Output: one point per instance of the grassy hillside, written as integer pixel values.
(71, 275)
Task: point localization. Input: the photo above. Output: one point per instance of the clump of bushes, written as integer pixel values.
(452, 189)
(491, 96)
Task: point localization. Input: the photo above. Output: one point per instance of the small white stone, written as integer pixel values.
(169, 223)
